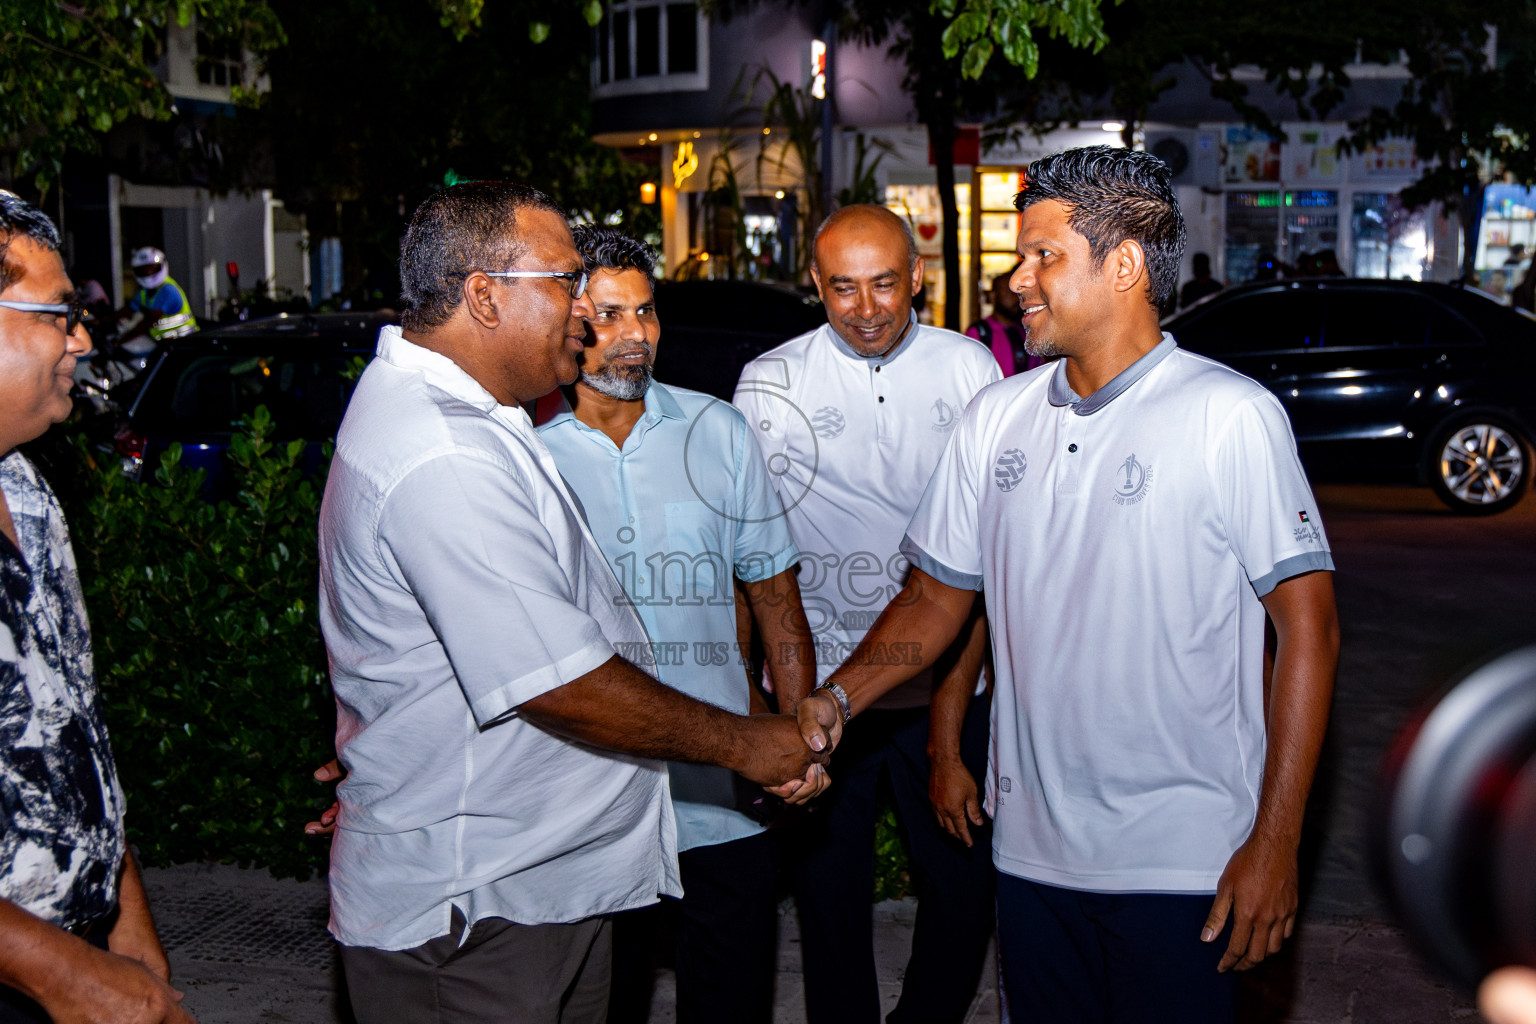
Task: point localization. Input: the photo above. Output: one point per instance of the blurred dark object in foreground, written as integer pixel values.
(1456, 835)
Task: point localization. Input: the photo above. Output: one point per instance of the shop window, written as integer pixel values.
(918, 205)
(650, 46)
(1389, 240)
(1253, 228)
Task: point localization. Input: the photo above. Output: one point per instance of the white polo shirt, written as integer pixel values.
(1124, 541)
(457, 581)
(850, 443)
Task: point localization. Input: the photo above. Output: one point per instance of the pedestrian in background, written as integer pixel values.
(1002, 330)
(1202, 285)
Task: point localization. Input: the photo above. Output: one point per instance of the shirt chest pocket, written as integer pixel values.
(697, 563)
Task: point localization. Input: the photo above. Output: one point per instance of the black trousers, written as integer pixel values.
(722, 934)
(1074, 957)
(835, 878)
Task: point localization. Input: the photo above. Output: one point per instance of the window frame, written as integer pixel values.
(688, 81)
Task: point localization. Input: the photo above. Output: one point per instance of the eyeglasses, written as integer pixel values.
(74, 313)
(576, 280)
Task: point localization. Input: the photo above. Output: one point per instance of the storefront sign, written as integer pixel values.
(1251, 155)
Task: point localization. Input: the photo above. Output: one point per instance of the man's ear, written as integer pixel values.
(478, 301)
(816, 277)
(1129, 264)
(917, 275)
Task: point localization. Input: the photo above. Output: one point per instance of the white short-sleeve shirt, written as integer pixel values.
(850, 443)
(456, 582)
(1124, 542)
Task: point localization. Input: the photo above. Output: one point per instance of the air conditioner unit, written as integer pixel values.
(1193, 157)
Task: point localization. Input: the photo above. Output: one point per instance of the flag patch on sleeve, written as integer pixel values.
(1303, 516)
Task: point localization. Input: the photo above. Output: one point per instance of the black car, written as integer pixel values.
(711, 329)
(1387, 380)
(301, 367)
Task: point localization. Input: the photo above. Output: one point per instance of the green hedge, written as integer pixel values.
(210, 660)
(208, 652)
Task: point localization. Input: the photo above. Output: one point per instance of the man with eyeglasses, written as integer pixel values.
(76, 938)
(496, 707)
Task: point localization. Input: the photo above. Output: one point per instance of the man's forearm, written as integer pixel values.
(911, 634)
(133, 935)
(1301, 693)
(955, 689)
(35, 957)
(787, 645)
(618, 707)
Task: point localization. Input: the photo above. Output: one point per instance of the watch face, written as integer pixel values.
(1458, 821)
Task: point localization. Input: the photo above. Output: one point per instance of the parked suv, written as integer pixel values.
(1387, 379)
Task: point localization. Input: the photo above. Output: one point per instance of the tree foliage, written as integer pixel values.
(978, 27)
(360, 134)
(70, 71)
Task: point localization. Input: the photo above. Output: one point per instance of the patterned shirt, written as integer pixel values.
(61, 836)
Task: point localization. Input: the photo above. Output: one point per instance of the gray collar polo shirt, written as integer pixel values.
(457, 580)
(1124, 542)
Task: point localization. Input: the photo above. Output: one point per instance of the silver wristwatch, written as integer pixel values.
(841, 696)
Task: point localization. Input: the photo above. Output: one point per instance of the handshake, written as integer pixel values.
(785, 754)
(794, 746)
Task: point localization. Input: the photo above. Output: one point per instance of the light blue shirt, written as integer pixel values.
(686, 504)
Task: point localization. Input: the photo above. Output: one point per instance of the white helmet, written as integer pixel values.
(149, 267)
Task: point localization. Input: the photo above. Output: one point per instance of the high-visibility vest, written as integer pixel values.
(170, 325)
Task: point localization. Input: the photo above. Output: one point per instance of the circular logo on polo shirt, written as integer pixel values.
(828, 422)
(1008, 470)
(1131, 479)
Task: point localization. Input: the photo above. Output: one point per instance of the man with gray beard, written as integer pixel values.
(678, 498)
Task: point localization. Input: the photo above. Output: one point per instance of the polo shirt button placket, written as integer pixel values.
(1067, 479)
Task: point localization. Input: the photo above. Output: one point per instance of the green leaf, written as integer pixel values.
(591, 12)
(538, 31)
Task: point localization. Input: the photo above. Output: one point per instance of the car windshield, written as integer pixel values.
(202, 393)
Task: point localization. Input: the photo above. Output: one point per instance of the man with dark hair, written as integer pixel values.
(1131, 514)
(503, 796)
(678, 497)
(853, 417)
(76, 938)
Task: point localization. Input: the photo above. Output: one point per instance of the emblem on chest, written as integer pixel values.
(1132, 478)
(828, 422)
(1008, 470)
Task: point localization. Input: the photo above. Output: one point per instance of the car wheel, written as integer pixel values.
(1479, 466)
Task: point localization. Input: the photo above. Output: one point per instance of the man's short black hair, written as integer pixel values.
(605, 248)
(20, 219)
(1113, 195)
(457, 231)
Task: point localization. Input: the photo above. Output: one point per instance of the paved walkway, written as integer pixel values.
(247, 948)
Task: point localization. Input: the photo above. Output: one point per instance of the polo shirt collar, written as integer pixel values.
(660, 404)
(1061, 392)
(440, 371)
(890, 357)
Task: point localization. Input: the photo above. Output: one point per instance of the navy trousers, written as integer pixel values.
(1074, 957)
